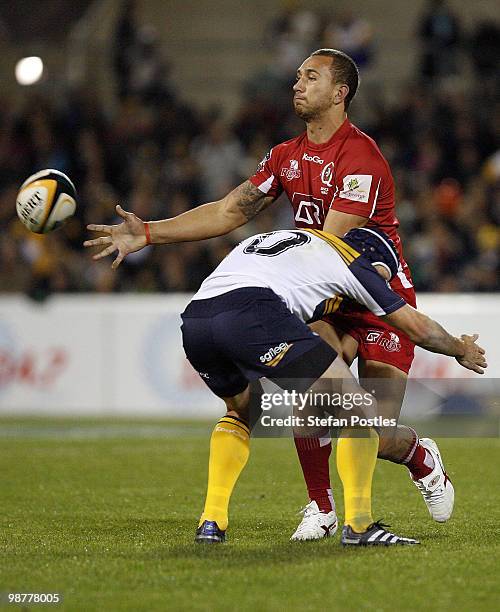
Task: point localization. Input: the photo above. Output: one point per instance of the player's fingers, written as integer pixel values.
(100, 228)
(471, 365)
(472, 338)
(98, 241)
(105, 252)
(480, 364)
(117, 261)
(121, 212)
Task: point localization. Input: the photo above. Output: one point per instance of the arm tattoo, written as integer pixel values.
(251, 200)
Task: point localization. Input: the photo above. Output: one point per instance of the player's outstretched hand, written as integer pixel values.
(474, 358)
(127, 237)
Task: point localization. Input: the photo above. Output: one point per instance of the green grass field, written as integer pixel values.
(105, 515)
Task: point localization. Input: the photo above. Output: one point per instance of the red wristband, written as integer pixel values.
(147, 232)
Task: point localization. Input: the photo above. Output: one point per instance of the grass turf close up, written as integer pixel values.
(105, 515)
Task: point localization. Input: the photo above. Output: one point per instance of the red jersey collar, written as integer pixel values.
(338, 135)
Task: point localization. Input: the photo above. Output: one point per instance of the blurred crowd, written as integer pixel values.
(158, 157)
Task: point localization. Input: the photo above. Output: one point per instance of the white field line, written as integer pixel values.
(96, 432)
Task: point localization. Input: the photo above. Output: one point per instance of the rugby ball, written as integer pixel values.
(45, 201)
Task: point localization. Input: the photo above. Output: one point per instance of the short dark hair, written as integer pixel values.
(344, 70)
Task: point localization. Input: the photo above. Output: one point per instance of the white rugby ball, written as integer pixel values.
(45, 200)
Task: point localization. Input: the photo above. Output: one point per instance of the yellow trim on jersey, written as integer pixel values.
(332, 305)
(342, 243)
(346, 252)
(339, 243)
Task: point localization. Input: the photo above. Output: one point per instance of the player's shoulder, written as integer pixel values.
(363, 144)
(289, 145)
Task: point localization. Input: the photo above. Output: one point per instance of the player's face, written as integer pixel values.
(314, 89)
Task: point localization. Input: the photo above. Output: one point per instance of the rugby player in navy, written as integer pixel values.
(249, 320)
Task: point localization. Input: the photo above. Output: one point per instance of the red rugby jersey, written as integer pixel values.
(348, 173)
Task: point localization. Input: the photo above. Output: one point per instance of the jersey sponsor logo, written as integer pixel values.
(387, 340)
(275, 354)
(327, 174)
(356, 187)
(313, 158)
(292, 172)
(308, 209)
(265, 159)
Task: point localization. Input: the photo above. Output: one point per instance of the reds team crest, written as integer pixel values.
(292, 172)
(387, 340)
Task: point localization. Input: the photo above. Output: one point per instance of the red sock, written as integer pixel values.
(314, 459)
(421, 463)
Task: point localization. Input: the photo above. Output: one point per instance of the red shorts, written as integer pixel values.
(377, 340)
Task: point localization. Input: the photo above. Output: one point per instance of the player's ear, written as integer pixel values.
(340, 93)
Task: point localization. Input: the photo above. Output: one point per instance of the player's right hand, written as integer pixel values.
(473, 357)
(127, 237)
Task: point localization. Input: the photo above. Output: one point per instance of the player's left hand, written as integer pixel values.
(473, 358)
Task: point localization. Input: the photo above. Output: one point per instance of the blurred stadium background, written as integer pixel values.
(163, 105)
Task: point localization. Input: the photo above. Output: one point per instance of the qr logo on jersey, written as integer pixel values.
(292, 172)
(356, 187)
(387, 340)
(308, 210)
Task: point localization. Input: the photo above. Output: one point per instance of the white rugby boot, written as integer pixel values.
(316, 524)
(436, 488)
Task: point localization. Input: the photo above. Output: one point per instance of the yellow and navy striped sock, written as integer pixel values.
(229, 451)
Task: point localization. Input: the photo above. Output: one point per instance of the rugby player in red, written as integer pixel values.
(336, 179)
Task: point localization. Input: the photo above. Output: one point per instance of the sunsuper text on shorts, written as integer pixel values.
(294, 399)
(314, 421)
